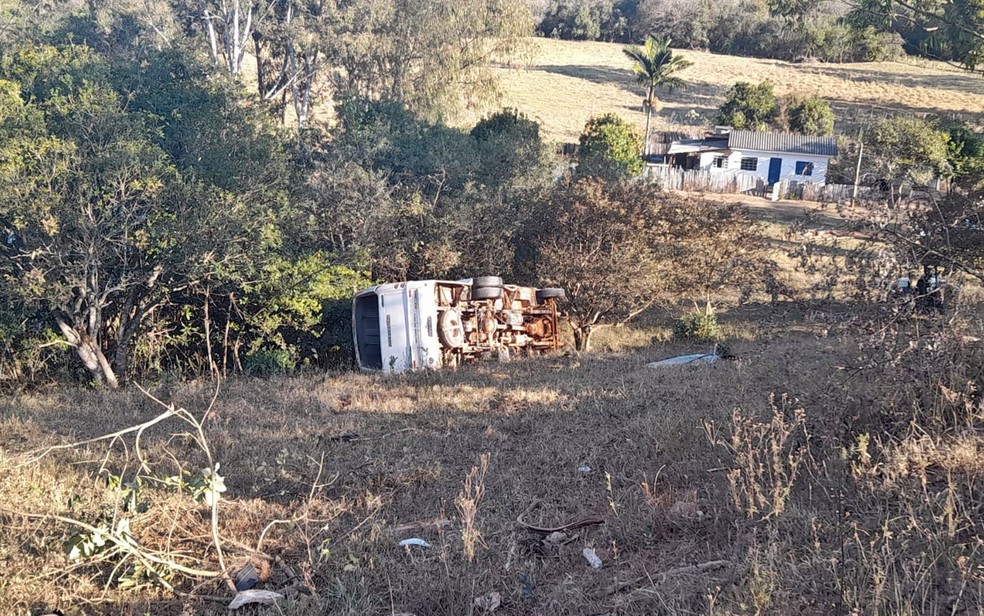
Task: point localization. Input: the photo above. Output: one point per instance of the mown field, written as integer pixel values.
(563, 83)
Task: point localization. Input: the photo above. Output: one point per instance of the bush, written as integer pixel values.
(750, 107)
(269, 362)
(698, 324)
(811, 116)
(610, 149)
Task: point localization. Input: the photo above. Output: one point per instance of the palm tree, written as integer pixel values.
(655, 66)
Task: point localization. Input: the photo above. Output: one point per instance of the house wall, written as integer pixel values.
(787, 171)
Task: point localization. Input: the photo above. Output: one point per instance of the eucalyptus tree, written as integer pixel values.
(433, 55)
(655, 66)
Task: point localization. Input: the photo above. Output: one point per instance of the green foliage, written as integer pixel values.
(699, 324)
(791, 9)
(655, 66)
(793, 29)
(747, 106)
(510, 150)
(965, 154)
(811, 116)
(180, 193)
(904, 147)
(621, 248)
(430, 55)
(609, 149)
(269, 362)
(937, 29)
(579, 20)
(387, 136)
(205, 486)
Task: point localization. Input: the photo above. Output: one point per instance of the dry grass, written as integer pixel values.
(398, 450)
(563, 83)
(871, 504)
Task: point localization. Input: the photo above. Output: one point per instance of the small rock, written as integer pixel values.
(556, 537)
(682, 510)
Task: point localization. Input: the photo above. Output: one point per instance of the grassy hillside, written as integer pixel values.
(833, 468)
(563, 83)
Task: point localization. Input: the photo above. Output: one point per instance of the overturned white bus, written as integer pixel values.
(435, 323)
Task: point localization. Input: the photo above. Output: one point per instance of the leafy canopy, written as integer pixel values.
(811, 116)
(609, 149)
(749, 107)
(655, 66)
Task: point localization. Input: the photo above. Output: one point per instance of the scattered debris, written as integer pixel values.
(528, 586)
(247, 577)
(415, 541)
(592, 558)
(489, 602)
(683, 360)
(245, 597)
(584, 468)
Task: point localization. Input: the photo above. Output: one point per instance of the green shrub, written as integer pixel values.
(269, 362)
(698, 324)
(811, 116)
(748, 106)
(609, 149)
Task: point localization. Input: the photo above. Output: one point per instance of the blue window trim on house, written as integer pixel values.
(804, 168)
(749, 164)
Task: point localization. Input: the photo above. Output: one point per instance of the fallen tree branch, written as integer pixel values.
(38, 454)
(130, 547)
(546, 530)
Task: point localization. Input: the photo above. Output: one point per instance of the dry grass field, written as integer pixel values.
(834, 467)
(563, 83)
(344, 460)
(827, 470)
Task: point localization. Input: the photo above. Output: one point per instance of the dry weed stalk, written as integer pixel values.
(467, 504)
(767, 457)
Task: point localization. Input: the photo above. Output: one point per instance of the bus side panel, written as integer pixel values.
(426, 346)
(393, 331)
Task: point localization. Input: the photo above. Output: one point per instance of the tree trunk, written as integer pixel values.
(582, 337)
(90, 353)
(649, 117)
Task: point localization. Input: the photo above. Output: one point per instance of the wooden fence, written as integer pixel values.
(697, 180)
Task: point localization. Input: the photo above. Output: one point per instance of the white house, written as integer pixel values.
(767, 157)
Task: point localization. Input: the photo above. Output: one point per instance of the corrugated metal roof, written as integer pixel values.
(782, 142)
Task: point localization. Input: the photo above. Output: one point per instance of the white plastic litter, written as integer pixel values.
(584, 468)
(415, 541)
(556, 537)
(489, 603)
(592, 558)
(682, 360)
(245, 597)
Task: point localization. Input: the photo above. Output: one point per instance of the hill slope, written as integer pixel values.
(563, 83)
